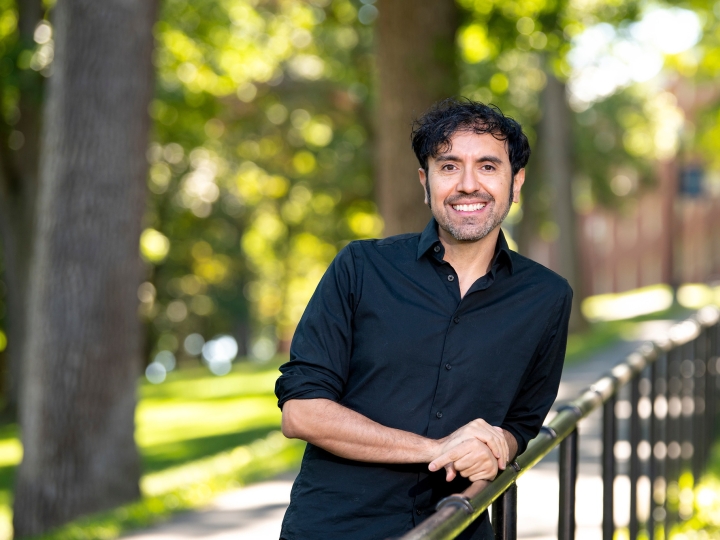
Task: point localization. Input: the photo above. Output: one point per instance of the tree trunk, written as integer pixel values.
(416, 67)
(556, 170)
(18, 189)
(82, 354)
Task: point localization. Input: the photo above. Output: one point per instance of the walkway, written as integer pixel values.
(255, 512)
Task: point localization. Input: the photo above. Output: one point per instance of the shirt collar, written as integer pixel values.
(429, 239)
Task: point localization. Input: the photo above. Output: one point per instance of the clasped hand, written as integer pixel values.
(475, 451)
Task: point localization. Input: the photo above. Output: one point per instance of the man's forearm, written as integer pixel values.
(350, 435)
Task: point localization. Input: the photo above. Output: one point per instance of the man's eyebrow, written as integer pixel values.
(450, 157)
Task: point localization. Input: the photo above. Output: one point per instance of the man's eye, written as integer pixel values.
(487, 167)
(448, 167)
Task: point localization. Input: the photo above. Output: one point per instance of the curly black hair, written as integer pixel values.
(432, 132)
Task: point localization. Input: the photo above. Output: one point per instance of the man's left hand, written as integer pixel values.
(472, 459)
(492, 436)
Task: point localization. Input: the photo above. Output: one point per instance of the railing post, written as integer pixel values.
(653, 439)
(634, 439)
(568, 478)
(709, 391)
(673, 437)
(711, 388)
(699, 412)
(504, 515)
(608, 467)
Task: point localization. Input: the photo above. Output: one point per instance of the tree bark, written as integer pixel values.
(82, 354)
(18, 190)
(556, 171)
(416, 67)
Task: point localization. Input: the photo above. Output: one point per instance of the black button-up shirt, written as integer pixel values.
(387, 334)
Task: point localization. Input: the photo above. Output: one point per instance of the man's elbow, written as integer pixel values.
(292, 425)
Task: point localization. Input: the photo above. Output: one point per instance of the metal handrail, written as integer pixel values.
(453, 514)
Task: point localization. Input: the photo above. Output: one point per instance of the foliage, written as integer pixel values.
(260, 167)
(511, 48)
(261, 163)
(700, 71)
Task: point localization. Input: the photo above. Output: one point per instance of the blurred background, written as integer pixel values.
(279, 132)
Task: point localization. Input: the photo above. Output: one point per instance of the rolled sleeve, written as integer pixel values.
(539, 388)
(322, 344)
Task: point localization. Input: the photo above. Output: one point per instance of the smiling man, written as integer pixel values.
(424, 362)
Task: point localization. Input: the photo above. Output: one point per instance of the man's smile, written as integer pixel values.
(468, 207)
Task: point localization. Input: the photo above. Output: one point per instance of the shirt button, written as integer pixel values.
(436, 249)
(456, 320)
(418, 511)
(438, 414)
(448, 367)
(451, 278)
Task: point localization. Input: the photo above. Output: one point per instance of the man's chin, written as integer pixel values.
(467, 232)
(467, 236)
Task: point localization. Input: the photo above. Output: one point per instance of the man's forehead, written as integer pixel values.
(469, 140)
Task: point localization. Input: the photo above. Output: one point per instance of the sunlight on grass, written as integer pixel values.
(198, 435)
(159, 423)
(189, 486)
(625, 305)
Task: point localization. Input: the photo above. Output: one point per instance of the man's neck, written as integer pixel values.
(471, 260)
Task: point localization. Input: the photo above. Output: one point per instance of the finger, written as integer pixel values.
(479, 467)
(505, 451)
(498, 446)
(483, 475)
(507, 448)
(450, 472)
(504, 457)
(475, 459)
(441, 461)
(493, 443)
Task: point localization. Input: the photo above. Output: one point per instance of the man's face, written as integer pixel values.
(468, 186)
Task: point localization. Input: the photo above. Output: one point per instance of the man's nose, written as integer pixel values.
(468, 181)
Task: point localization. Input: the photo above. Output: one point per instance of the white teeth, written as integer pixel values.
(468, 207)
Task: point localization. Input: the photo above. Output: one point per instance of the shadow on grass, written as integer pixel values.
(7, 483)
(162, 456)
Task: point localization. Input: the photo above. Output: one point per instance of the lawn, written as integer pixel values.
(194, 414)
(198, 434)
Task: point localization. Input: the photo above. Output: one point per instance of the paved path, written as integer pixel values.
(255, 512)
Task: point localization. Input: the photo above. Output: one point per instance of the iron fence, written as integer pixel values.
(661, 403)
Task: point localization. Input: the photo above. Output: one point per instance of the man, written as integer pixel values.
(424, 362)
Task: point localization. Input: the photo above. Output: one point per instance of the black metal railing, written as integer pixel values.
(660, 404)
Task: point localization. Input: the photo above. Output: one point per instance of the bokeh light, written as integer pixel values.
(166, 359)
(194, 344)
(219, 354)
(155, 373)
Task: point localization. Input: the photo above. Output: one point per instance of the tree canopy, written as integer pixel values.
(261, 163)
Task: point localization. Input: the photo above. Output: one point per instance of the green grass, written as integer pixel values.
(194, 413)
(198, 435)
(705, 522)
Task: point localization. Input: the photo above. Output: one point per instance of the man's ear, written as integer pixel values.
(423, 182)
(518, 183)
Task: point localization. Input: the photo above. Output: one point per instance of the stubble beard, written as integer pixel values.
(462, 232)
